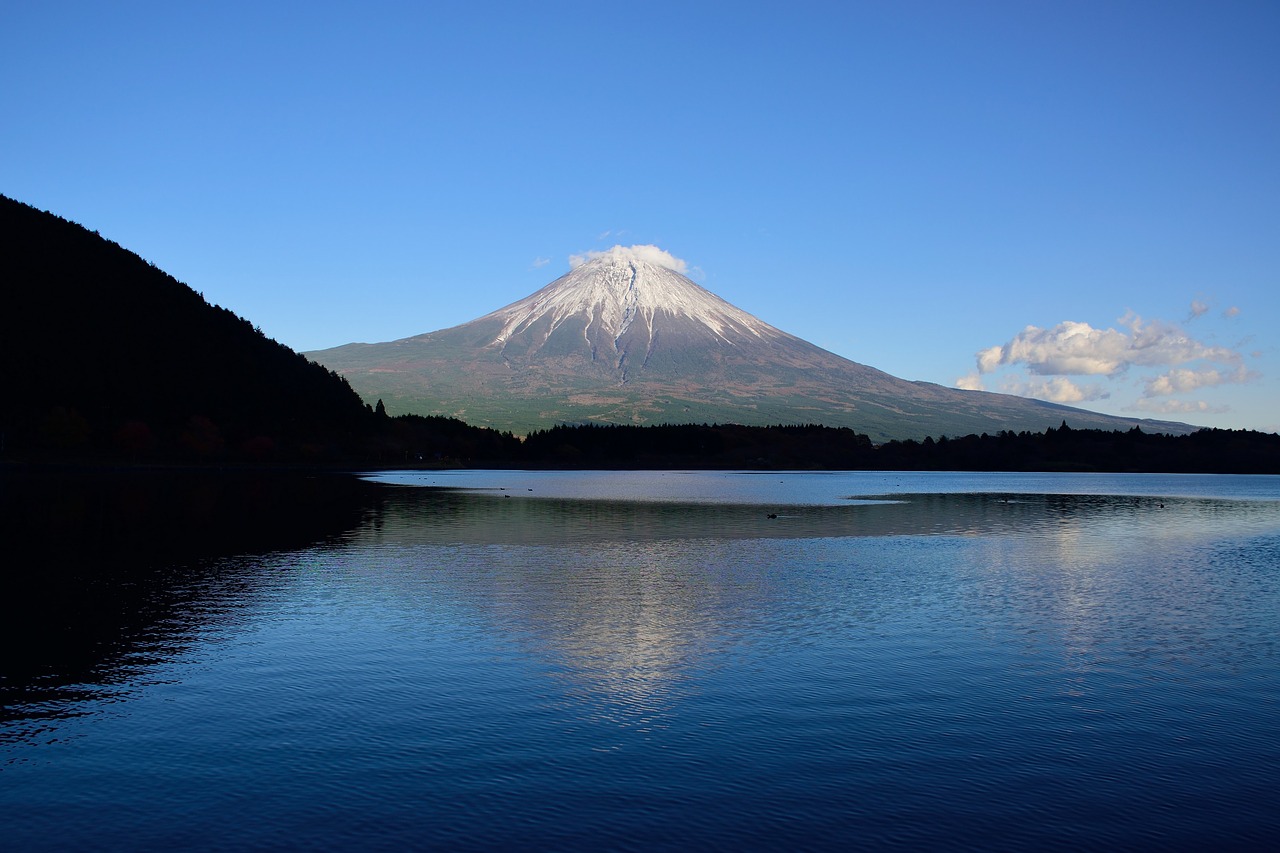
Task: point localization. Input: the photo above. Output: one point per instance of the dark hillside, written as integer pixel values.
(103, 353)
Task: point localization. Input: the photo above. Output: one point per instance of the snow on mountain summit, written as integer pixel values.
(636, 289)
(650, 253)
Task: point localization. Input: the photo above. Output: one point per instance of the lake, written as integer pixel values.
(478, 660)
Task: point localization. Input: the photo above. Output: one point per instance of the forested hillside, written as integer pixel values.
(103, 352)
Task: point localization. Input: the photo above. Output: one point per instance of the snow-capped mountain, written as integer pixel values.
(626, 306)
(624, 296)
(625, 337)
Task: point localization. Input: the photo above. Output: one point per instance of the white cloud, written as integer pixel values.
(1059, 389)
(1074, 349)
(540, 262)
(1182, 380)
(1068, 348)
(1198, 308)
(989, 359)
(970, 382)
(1231, 313)
(647, 253)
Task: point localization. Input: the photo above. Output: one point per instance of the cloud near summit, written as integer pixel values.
(648, 253)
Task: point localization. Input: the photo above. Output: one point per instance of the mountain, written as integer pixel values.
(624, 337)
(103, 353)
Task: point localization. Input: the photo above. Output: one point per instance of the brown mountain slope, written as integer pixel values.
(623, 338)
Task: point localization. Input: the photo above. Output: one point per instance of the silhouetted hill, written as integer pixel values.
(102, 352)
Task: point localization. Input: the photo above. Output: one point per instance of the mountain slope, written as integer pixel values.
(625, 338)
(102, 351)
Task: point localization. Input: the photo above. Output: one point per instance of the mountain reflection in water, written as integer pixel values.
(624, 596)
(113, 570)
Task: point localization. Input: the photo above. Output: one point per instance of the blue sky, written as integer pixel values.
(1082, 199)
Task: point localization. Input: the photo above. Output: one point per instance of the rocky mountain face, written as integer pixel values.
(625, 338)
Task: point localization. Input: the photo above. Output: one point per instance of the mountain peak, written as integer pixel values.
(623, 293)
(644, 254)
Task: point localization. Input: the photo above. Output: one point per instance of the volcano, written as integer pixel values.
(625, 337)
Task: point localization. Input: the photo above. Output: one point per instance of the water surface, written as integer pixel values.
(643, 660)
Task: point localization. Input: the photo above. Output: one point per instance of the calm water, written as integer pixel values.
(637, 661)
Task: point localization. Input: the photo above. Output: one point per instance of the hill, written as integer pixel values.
(103, 353)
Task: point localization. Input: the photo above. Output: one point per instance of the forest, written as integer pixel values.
(824, 448)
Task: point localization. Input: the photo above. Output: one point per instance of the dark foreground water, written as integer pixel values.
(487, 660)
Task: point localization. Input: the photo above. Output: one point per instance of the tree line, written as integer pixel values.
(811, 446)
(410, 441)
